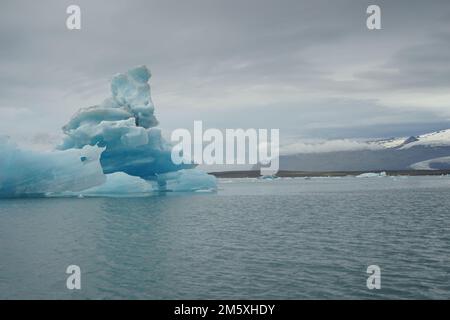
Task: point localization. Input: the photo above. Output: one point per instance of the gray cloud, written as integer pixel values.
(310, 68)
(424, 66)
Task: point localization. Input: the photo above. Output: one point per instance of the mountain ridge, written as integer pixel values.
(430, 151)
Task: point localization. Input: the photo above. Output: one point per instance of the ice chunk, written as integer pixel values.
(121, 184)
(268, 177)
(25, 172)
(187, 180)
(132, 92)
(372, 175)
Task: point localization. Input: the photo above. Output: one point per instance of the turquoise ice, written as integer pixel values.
(120, 135)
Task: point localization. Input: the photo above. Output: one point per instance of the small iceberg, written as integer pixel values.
(372, 175)
(268, 177)
(192, 180)
(33, 173)
(120, 183)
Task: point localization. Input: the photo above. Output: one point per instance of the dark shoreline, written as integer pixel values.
(293, 174)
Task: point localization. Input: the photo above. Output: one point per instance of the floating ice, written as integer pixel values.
(116, 136)
(372, 175)
(120, 183)
(125, 125)
(24, 172)
(188, 180)
(268, 177)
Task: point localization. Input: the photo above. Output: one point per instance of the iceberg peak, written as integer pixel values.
(125, 125)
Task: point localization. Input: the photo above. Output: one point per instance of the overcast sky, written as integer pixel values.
(310, 68)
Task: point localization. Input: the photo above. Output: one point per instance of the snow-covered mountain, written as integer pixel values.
(438, 138)
(429, 151)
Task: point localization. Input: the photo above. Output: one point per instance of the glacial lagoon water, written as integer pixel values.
(253, 239)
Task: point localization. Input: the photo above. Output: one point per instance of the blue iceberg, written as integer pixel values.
(119, 184)
(187, 180)
(114, 147)
(32, 173)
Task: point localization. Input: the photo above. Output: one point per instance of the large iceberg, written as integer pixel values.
(124, 125)
(117, 138)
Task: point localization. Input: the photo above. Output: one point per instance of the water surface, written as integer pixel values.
(253, 239)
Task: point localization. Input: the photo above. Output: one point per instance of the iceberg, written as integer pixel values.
(111, 148)
(372, 175)
(25, 172)
(188, 180)
(118, 184)
(124, 125)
